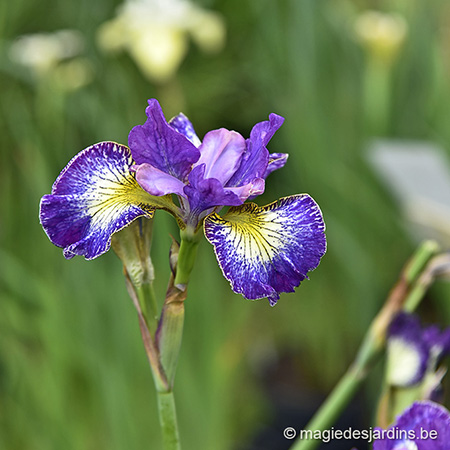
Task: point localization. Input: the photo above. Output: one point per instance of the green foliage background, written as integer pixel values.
(73, 372)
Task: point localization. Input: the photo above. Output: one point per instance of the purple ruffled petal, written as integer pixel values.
(256, 159)
(249, 190)
(264, 251)
(95, 196)
(221, 152)
(276, 161)
(184, 126)
(161, 146)
(408, 432)
(204, 194)
(156, 182)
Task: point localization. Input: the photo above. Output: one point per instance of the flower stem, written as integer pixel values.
(168, 420)
(169, 334)
(186, 257)
(147, 301)
(372, 345)
(170, 331)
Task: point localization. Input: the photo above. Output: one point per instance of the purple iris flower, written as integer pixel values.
(262, 251)
(415, 352)
(423, 426)
(224, 169)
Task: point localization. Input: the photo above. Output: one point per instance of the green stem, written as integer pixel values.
(170, 332)
(330, 409)
(159, 377)
(186, 257)
(147, 301)
(343, 392)
(420, 259)
(168, 420)
(406, 293)
(170, 336)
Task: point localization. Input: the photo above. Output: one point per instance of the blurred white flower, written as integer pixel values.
(382, 34)
(42, 51)
(54, 56)
(156, 32)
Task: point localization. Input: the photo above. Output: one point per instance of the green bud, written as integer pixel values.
(132, 245)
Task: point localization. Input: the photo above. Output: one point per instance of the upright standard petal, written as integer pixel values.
(276, 161)
(256, 159)
(160, 145)
(221, 152)
(184, 126)
(93, 197)
(264, 251)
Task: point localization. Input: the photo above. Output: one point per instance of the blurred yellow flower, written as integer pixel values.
(43, 51)
(382, 34)
(155, 33)
(54, 57)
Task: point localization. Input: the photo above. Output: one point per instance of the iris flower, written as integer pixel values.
(414, 354)
(156, 34)
(262, 251)
(56, 58)
(422, 426)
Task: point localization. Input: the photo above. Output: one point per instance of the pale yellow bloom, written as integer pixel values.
(43, 51)
(54, 57)
(382, 34)
(156, 32)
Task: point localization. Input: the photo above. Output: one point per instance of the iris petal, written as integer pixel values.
(157, 182)
(256, 159)
(204, 194)
(407, 351)
(266, 250)
(249, 190)
(160, 145)
(420, 418)
(276, 161)
(221, 152)
(184, 126)
(95, 196)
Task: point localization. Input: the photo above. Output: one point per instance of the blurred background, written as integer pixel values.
(348, 76)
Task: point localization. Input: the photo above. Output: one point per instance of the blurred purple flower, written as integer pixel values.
(262, 251)
(423, 426)
(415, 352)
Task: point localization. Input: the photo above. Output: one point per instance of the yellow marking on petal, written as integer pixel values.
(113, 197)
(266, 250)
(255, 231)
(114, 189)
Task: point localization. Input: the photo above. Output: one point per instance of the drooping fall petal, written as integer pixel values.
(264, 251)
(95, 196)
